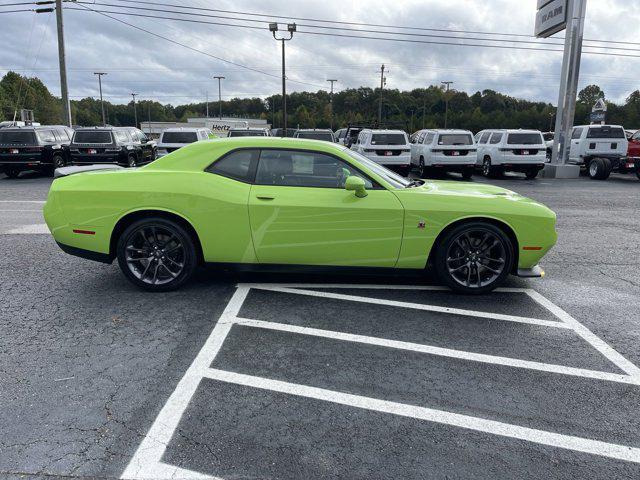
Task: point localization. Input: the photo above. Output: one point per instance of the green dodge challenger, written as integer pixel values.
(284, 202)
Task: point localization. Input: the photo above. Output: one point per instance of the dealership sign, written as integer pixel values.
(551, 17)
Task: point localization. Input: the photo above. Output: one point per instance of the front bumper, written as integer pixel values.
(534, 272)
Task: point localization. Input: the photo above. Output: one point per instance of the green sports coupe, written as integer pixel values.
(267, 201)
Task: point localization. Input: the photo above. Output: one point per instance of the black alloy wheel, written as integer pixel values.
(156, 254)
(132, 161)
(474, 258)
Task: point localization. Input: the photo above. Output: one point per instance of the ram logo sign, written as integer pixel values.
(551, 17)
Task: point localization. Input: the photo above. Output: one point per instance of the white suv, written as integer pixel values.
(443, 150)
(390, 148)
(501, 151)
(600, 148)
(172, 139)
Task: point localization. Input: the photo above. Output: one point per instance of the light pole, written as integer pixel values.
(332, 81)
(135, 110)
(446, 101)
(219, 78)
(291, 28)
(382, 83)
(100, 74)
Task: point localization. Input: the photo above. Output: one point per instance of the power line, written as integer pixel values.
(403, 40)
(104, 14)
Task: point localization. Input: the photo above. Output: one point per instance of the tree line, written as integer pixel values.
(410, 110)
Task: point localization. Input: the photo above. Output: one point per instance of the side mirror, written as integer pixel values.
(356, 185)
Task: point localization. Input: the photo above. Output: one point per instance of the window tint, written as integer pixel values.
(388, 139)
(247, 133)
(455, 139)
(92, 136)
(16, 136)
(524, 139)
(576, 133)
(179, 137)
(46, 136)
(495, 138)
(605, 132)
(304, 169)
(485, 137)
(236, 165)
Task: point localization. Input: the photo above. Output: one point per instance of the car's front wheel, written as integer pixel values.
(132, 161)
(12, 172)
(57, 162)
(474, 258)
(157, 254)
(531, 174)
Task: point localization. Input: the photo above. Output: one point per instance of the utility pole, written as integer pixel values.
(207, 102)
(291, 28)
(135, 110)
(100, 74)
(332, 81)
(446, 101)
(382, 83)
(424, 108)
(66, 104)
(219, 78)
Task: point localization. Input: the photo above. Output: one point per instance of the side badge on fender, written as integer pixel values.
(422, 224)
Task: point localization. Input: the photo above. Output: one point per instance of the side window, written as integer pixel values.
(429, 138)
(143, 138)
(636, 136)
(46, 136)
(485, 137)
(495, 138)
(576, 133)
(62, 135)
(236, 165)
(294, 168)
(121, 136)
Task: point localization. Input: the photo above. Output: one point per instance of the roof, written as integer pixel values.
(445, 130)
(322, 130)
(32, 127)
(183, 129)
(373, 130)
(512, 130)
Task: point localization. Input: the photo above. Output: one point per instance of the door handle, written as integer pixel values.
(265, 197)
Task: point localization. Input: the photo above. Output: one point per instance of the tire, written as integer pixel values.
(132, 161)
(599, 168)
(157, 254)
(637, 169)
(421, 168)
(488, 170)
(56, 162)
(12, 172)
(459, 265)
(531, 174)
(467, 173)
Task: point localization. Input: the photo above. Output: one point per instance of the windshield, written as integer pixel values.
(316, 136)
(99, 136)
(605, 132)
(388, 139)
(524, 139)
(179, 137)
(455, 139)
(22, 137)
(246, 133)
(393, 178)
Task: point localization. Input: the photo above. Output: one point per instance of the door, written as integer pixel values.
(634, 146)
(301, 214)
(574, 146)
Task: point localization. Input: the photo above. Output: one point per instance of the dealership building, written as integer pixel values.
(219, 126)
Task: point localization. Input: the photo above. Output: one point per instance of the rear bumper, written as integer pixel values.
(447, 161)
(86, 254)
(393, 160)
(534, 272)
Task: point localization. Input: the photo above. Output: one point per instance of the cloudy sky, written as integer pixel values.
(137, 61)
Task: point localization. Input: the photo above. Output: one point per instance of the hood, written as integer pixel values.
(465, 188)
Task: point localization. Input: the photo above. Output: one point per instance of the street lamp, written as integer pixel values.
(104, 118)
(219, 78)
(332, 81)
(446, 101)
(291, 28)
(135, 110)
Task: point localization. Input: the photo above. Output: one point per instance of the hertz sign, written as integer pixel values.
(551, 17)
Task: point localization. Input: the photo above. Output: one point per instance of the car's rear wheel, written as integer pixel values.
(132, 161)
(488, 170)
(532, 173)
(637, 169)
(12, 172)
(467, 173)
(56, 162)
(157, 254)
(474, 258)
(421, 168)
(599, 168)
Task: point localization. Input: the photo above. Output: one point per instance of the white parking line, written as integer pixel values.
(41, 202)
(568, 442)
(441, 352)
(34, 229)
(146, 462)
(415, 306)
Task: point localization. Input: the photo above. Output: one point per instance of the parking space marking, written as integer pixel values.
(439, 351)
(147, 460)
(416, 306)
(34, 229)
(594, 447)
(41, 202)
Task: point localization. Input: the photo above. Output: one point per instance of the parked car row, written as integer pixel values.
(45, 148)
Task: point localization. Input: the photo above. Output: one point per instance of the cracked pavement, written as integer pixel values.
(88, 361)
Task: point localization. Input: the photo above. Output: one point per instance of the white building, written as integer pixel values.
(219, 126)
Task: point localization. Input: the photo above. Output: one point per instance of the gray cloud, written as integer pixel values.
(154, 68)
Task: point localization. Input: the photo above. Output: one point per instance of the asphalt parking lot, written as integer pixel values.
(289, 376)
